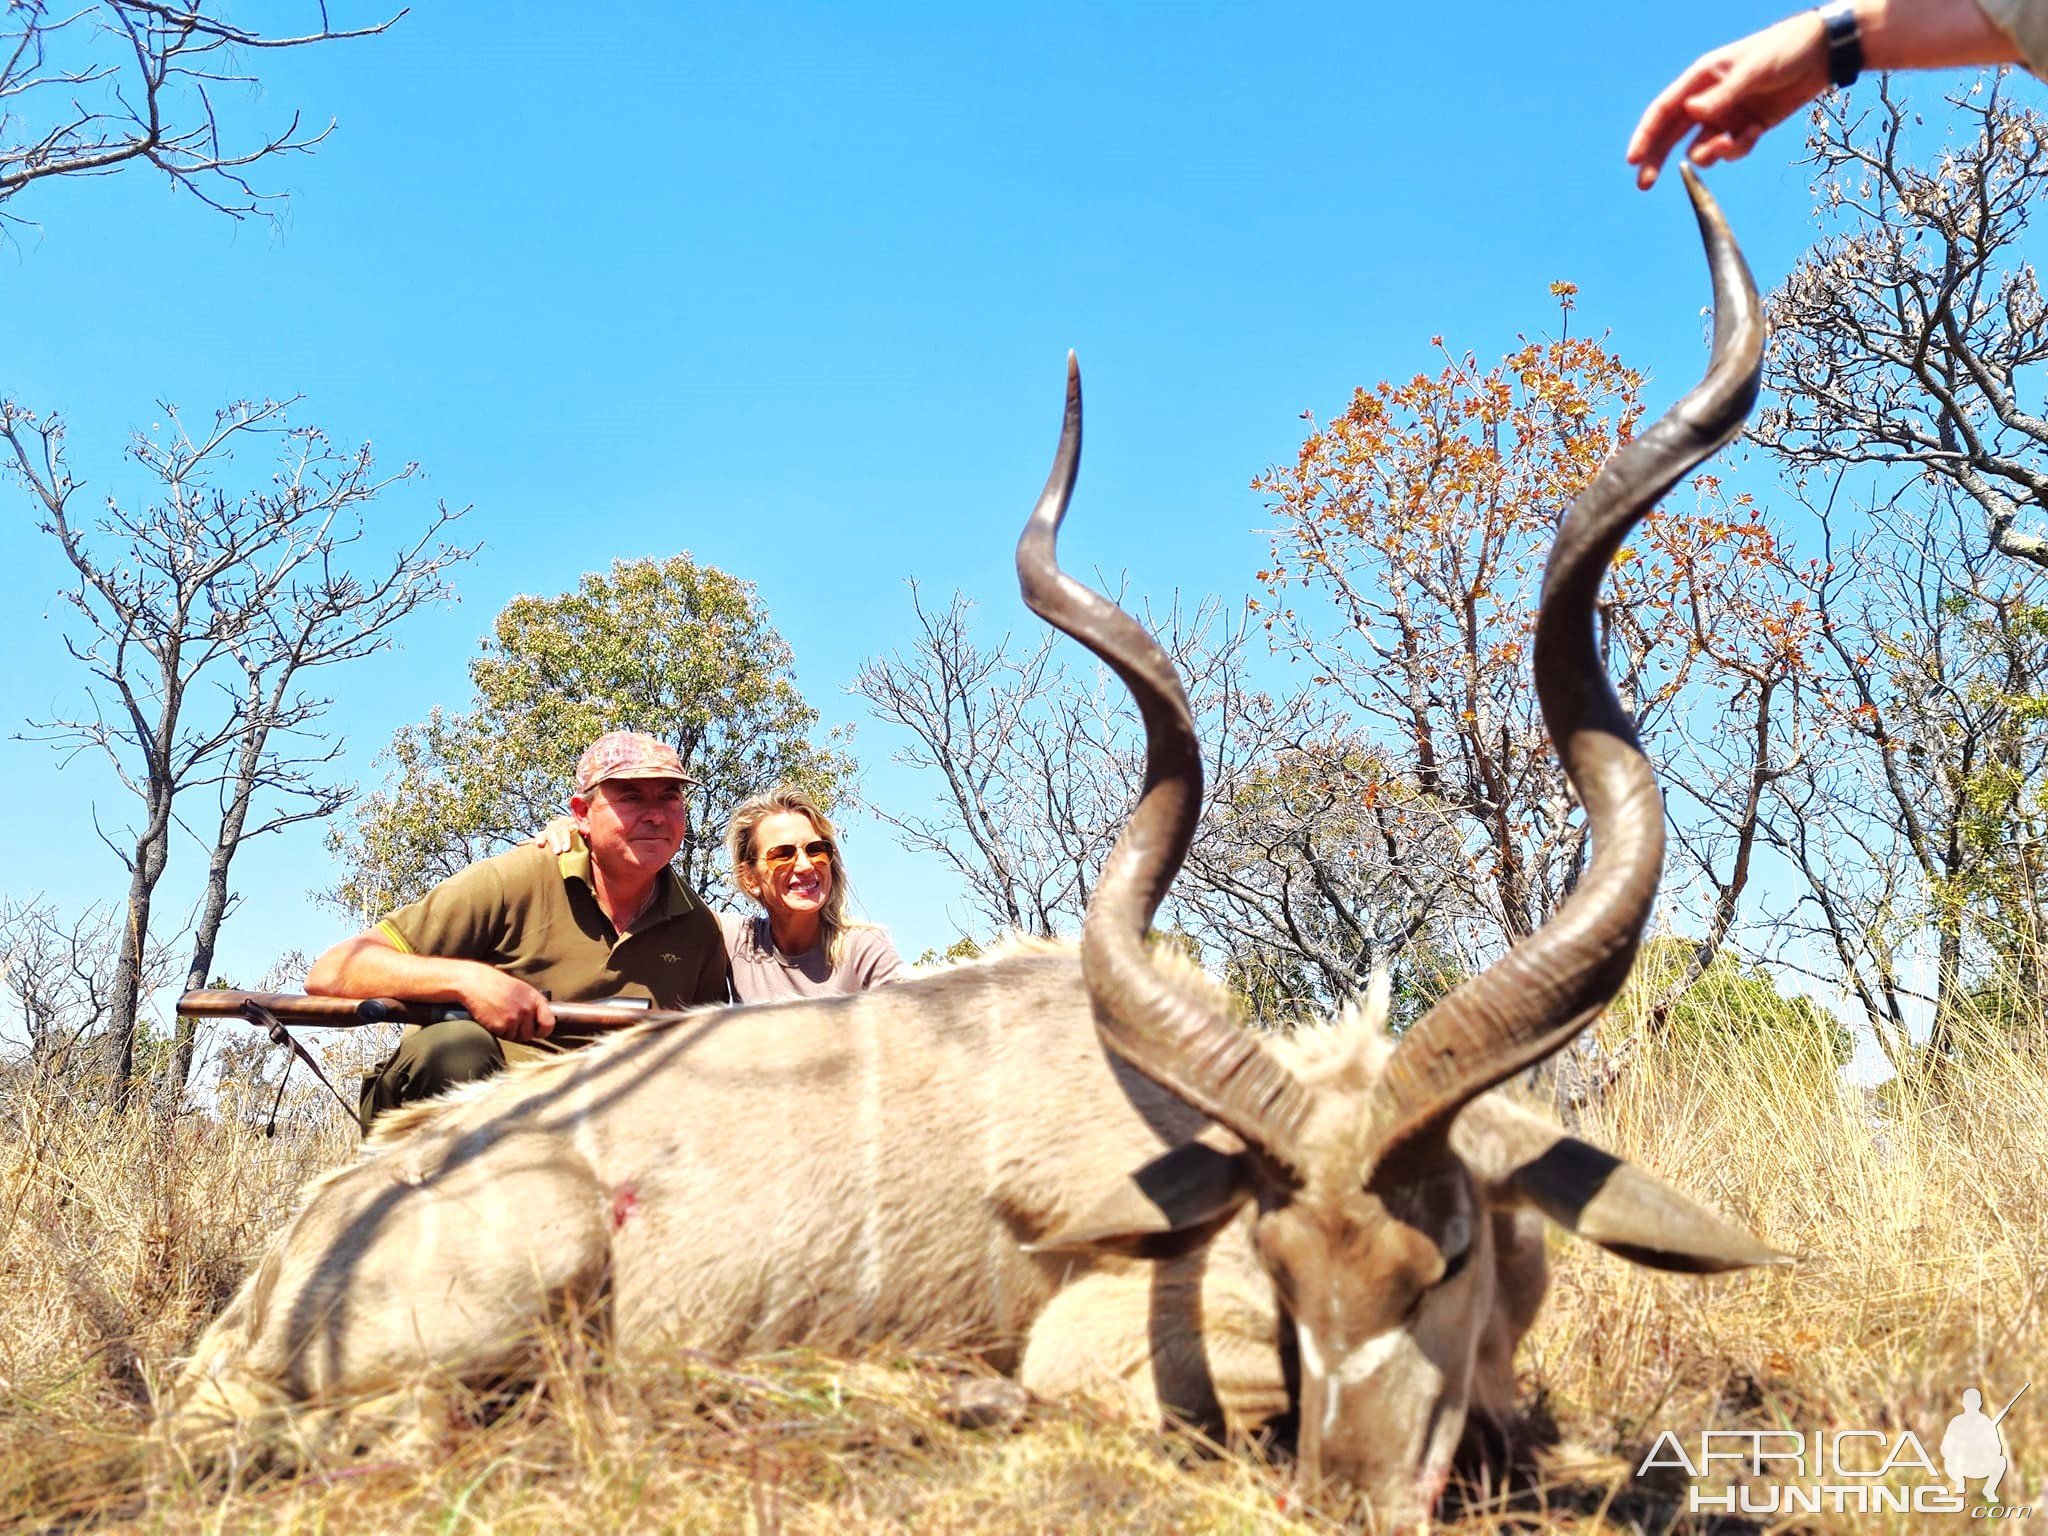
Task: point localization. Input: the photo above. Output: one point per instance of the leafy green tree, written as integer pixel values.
(679, 650)
(1427, 970)
(961, 949)
(1730, 1005)
(1997, 1012)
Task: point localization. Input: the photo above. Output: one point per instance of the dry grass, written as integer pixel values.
(1919, 1230)
(1920, 1237)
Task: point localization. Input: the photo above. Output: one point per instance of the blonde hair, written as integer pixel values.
(741, 848)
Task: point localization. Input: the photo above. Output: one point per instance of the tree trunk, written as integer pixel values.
(214, 903)
(1941, 1038)
(213, 907)
(145, 871)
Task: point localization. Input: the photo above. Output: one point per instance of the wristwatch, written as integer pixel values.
(1844, 40)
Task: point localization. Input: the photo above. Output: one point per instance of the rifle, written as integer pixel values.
(352, 1012)
(269, 1011)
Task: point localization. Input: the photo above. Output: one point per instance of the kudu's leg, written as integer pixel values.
(1189, 1341)
(432, 1264)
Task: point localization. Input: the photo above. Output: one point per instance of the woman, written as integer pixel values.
(785, 854)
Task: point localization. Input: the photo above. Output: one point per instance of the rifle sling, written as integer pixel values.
(273, 1026)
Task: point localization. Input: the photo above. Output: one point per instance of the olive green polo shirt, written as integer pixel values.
(534, 915)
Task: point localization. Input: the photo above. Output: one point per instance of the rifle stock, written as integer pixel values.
(352, 1012)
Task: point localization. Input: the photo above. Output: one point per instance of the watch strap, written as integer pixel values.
(1844, 40)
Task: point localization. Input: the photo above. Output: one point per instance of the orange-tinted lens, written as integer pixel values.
(782, 855)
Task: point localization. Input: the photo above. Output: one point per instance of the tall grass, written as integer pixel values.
(1919, 1218)
(1919, 1223)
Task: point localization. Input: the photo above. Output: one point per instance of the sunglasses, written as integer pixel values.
(782, 855)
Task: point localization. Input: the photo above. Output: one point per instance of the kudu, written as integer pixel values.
(1000, 1156)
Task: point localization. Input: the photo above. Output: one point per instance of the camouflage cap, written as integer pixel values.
(627, 755)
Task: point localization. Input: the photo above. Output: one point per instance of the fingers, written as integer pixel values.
(1668, 119)
(1732, 95)
(1712, 149)
(560, 834)
(508, 1007)
(531, 1019)
(1727, 130)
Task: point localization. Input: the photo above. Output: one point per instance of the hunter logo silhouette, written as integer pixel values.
(1971, 1446)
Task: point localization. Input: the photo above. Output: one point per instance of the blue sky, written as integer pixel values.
(791, 287)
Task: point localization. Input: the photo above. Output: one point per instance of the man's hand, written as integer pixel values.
(1732, 95)
(370, 965)
(505, 1005)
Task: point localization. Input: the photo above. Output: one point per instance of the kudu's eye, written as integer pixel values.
(1456, 1247)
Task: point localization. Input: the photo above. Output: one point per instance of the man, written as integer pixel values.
(1737, 92)
(507, 934)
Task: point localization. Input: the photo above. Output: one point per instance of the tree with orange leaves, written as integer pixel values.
(1405, 571)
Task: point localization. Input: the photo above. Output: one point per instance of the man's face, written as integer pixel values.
(633, 826)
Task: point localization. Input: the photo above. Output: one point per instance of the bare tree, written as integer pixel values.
(201, 612)
(1034, 766)
(1311, 864)
(57, 978)
(1317, 861)
(100, 84)
(1909, 335)
(1923, 814)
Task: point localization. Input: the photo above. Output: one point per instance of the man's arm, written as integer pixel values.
(370, 965)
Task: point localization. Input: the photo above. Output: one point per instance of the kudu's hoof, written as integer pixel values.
(985, 1402)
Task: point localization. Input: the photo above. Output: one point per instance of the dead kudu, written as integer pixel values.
(1085, 1169)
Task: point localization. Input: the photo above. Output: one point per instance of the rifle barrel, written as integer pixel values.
(351, 1012)
(2008, 1407)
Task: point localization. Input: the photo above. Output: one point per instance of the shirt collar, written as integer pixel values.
(671, 897)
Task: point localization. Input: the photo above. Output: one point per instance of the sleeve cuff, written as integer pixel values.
(2026, 23)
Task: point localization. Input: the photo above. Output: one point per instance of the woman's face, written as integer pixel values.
(792, 870)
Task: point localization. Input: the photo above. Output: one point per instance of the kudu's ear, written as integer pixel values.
(1521, 1158)
(1179, 1197)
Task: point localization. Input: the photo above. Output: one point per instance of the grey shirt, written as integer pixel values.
(761, 973)
(2026, 22)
